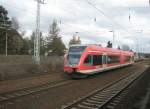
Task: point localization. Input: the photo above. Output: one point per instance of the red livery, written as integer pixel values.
(83, 60)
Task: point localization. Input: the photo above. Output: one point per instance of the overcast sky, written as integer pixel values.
(79, 16)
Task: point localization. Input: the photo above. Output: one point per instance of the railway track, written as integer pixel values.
(4, 97)
(99, 99)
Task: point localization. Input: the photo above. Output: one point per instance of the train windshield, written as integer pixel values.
(75, 54)
(74, 59)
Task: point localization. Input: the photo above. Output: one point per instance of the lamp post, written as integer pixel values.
(113, 35)
(6, 27)
(138, 42)
(6, 45)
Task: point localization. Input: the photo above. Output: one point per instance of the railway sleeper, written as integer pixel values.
(104, 98)
(23, 92)
(110, 107)
(113, 103)
(93, 101)
(90, 104)
(100, 96)
(100, 100)
(85, 107)
(74, 108)
(2, 98)
(10, 96)
(107, 93)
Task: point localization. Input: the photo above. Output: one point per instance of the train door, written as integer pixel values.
(104, 60)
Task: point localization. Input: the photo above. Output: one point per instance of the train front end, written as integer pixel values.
(72, 61)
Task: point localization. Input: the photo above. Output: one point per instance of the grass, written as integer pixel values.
(19, 66)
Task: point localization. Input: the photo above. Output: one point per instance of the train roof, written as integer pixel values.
(97, 47)
(84, 45)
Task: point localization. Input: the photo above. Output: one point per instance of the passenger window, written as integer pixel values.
(127, 59)
(104, 59)
(88, 60)
(132, 58)
(97, 59)
(113, 59)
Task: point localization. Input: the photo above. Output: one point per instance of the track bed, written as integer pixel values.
(59, 96)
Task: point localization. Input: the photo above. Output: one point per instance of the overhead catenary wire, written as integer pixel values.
(32, 14)
(108, 17)
(29, 12)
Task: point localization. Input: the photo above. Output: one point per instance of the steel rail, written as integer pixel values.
(31, 90)
(99, 98)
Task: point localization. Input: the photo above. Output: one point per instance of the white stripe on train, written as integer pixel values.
(93, 71)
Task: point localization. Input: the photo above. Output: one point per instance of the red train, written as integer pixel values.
(84, 60)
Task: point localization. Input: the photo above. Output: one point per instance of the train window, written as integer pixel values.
(132, 58)
(113, 59)
(104, 59)
(88, 60)
(127, 59)
(73, 58)
(97, 59)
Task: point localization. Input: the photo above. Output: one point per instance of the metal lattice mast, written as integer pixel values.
(37, 34)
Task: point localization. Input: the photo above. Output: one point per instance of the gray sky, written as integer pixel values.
(78, 16)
